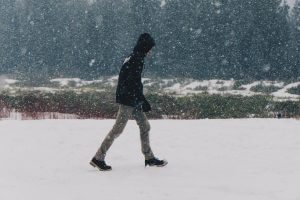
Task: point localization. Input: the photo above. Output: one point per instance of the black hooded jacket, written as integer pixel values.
(130, 88)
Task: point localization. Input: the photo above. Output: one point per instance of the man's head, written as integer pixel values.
(144, 44)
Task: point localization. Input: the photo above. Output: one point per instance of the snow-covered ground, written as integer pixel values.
(283, 93)
(244, 159)
(199, 86)
(227, 87)
(76, 81)
(5, 82)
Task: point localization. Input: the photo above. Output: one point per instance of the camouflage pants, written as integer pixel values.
(122, 118)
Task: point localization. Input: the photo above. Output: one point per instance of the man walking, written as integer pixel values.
(133, 103)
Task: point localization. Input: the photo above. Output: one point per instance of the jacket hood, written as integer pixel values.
(144, 44)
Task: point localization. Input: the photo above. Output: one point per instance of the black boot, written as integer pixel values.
(155, 162)
(100, 164)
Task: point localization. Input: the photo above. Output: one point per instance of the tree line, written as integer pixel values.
(251, 39)
(101, 105)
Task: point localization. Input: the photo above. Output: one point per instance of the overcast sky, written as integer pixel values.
(291, 2)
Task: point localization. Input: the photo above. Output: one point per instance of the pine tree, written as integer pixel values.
(296, 38)
(264, 37)
(9, 29)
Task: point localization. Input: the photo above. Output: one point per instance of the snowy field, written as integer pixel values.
(245, 159)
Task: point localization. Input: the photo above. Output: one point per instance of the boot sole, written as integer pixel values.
(94, 165)
(165, 163)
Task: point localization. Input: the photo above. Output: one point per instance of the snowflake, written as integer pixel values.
(92, 62)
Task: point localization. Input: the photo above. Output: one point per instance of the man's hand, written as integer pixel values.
(146, 106)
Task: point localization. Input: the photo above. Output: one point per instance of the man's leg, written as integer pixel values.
(143, 123)
(121, 121)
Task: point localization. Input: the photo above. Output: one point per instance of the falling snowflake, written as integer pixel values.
(198, 31)
(23, 51)
(266, 67)
(162, 3)
(92, 62)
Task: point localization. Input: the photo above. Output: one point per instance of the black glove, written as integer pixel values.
(146, 106)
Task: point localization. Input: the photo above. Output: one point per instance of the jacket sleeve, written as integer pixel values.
(134, 80)
(140, 98)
